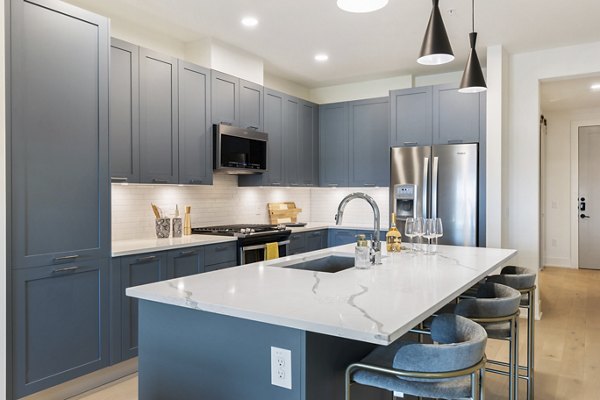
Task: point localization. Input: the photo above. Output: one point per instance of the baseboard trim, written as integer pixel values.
(86, 383)
(559, 263)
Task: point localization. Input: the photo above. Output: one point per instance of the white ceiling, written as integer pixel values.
(360, 46)
(569, 94)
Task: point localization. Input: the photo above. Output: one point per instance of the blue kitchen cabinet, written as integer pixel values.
(274, 102)
(315, 240)
(297, 243)
(184, 262)
(291, 141)
(58, 134)
(195, 136)
(251, 105)
(159, 147)
(136, 270)
(124, 128)
(412, 117)
(220, 255)
(457, 117)
(225, 98)
(369, 149)
(308, 131)
(334, 145)
(338, 237)
(60, 324)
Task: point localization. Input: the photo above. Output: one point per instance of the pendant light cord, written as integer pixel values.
(473, 14)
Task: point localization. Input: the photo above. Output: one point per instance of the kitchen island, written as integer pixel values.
(209, 336)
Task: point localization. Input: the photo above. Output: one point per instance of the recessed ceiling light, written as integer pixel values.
(595, 86)
(361, 6)
(321, 57)
(250, 22)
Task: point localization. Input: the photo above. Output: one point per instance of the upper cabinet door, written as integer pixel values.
(333, 145)
(308, 131)
(274, 106)
(251, 105)
(195, 133)
(291, 141)
(411, 117)
(124, 128)
(158, 118)
(456, 116)
(225, 98)
(60, 184)
(370, 149)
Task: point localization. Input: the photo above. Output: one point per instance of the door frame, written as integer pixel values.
(574, 203)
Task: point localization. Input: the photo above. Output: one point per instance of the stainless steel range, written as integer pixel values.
(252, 239)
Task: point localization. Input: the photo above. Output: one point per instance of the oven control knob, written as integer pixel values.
(243, 230)
(251, 230)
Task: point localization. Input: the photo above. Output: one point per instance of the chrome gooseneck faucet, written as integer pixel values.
(375, 250)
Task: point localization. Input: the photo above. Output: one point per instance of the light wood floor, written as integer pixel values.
(567, 359)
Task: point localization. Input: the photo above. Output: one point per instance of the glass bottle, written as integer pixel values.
(393, 238)
(361, 253)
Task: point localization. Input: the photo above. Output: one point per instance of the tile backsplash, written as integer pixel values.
(226, 203)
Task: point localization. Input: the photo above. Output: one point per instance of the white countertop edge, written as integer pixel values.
(150, 245)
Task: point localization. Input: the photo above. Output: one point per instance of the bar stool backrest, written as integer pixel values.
(461, 344)
(516, 277)
(493, 300)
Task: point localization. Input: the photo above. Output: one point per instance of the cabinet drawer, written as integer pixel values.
(316, 240)
(223, 265)
(184, 262)
(220, 253)
(297, 243)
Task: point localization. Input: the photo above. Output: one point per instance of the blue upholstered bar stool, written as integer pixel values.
(496, 308)
(523, 280)
(451, 368)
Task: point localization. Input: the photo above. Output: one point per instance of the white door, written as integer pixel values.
(589, 197)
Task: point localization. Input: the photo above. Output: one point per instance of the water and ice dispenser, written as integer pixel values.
(405, 201)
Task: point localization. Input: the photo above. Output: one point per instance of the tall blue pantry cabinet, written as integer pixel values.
(59, 193)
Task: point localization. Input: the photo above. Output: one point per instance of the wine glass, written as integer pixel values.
(429, 232)
(409, 231)
(418, 230)
(439, 230)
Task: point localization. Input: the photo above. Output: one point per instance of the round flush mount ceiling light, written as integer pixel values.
(249, 22)
(361, 6)
(321, 57)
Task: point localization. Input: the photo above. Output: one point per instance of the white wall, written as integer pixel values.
(359, 90)
(144, 37)
(523, 152)
(286, 86)
(559, 197)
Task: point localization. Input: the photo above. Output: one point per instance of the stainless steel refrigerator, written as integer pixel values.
(438, 181)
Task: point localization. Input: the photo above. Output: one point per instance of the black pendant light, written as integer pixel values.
(436, 48)
(472, 80)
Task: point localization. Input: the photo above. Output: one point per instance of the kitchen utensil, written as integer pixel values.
(155, 210)
(187, 221)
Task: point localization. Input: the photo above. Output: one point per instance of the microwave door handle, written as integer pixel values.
(425, 185)
(434, 187)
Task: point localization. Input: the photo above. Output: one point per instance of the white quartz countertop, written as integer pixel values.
(147, 245)
(377, 305)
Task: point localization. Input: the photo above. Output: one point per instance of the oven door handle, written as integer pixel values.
(262, 246)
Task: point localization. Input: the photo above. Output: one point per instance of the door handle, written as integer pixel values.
(425, 184)
(434, 187)
(583, 216)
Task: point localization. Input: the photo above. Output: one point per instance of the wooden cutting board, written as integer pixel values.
(280, 213)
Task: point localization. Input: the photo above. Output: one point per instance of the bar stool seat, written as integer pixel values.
(452, 368)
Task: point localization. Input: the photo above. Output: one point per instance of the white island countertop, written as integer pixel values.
(377, 305)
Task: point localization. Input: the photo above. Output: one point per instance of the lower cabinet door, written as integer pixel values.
(60, 324)
(185, 262)
(297, 244)
(316, 240)
(135, 271)
(342, 236)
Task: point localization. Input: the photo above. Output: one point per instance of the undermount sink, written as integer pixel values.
(329, 263)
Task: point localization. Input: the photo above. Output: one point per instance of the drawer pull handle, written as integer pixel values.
(411, 143)
(195, 181)
(294, 184)
(226, 123)
(116, 179)
(369, 185)
(333, 185)
(146, 259)
(188, 253)
(455, 141)
(221, 248)
(66, 269)
(66, 258)
(254, 128)
(276, 183)
(154, 180)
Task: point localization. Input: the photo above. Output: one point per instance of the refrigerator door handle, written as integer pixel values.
(434, 187)
(425, 185)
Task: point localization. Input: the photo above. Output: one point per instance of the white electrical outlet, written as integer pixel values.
(281, 367)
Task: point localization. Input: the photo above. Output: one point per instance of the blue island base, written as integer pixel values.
(190, 354)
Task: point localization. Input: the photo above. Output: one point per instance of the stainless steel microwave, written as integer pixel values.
(239, 151)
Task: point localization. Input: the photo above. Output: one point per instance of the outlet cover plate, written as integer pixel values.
(281, 367)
